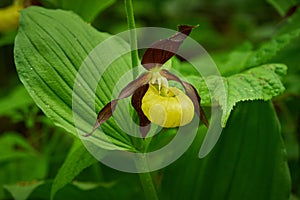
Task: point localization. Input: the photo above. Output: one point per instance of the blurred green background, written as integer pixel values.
(31, 146)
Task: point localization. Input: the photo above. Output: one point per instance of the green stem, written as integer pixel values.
(133, 36)
(146, 180)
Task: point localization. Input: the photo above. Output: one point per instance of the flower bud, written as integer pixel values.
(169, 107)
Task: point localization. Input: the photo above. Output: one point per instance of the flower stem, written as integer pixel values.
(133, 36)
(146, 180)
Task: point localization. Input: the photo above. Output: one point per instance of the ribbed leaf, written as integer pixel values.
(248, 162)
(262, 82)
(50, 47)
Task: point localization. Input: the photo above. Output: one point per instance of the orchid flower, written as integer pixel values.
(152, 98)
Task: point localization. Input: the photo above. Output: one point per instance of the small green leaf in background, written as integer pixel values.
(6, 105)
(235, 61)
(14, 146)
(22, 191)
(78, 159)
(88, 10)
(271, 48)
(248, 162)
(16, 151)
(245, 57)
(282, 6)
(7, 38)
(263, 82)
(19, 161)
(92, 185)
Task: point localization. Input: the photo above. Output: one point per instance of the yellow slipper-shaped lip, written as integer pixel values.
(168, 108)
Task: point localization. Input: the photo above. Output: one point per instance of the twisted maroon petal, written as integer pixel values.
(160, 52)
(136, 102)
(107, 111)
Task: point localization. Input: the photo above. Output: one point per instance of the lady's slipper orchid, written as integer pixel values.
(152, 97)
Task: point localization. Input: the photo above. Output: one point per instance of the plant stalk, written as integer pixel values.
(133, 36)
(146, 179)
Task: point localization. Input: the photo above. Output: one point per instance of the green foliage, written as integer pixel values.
(78, 159)
(259, 83)
(248, 161)
(7, 38)
(245, 57)
(55, 63)
(22, 192)
(47, 60)
(65, 53)
(283, 6)
(17, 156)
(88, 10)
(14, 147)
(9, 108)
(269, 50)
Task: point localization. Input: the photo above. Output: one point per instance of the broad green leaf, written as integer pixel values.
(50, 48)
(263, 82)
(248, 162)
(78, 159)
(88, 10)
(22, 191)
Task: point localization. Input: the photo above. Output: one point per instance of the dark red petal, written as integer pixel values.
(134, 85)
(193, 94)
(107, 111)
(190, 92)
(291, 11)
(160, 52)
(186, 29)
(136, 102)
(104, 114)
